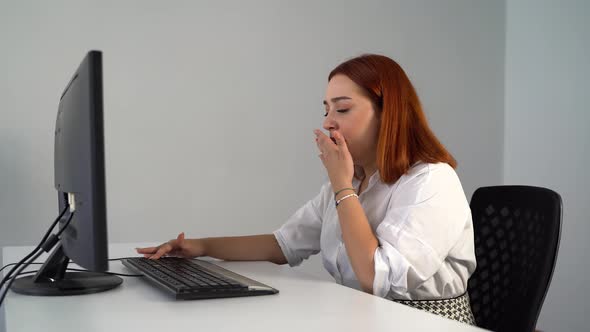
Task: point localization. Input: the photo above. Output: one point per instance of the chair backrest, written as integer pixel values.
(517, 230)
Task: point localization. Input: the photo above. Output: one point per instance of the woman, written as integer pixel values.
(393, 220)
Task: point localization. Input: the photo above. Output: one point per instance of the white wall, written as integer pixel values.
(547, 131)
(209, 108)
(454, 53)
(210, 105)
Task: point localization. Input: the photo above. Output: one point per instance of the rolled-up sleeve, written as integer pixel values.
(299, 237)
(422, 225)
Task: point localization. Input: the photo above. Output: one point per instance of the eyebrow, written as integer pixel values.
(335, 99)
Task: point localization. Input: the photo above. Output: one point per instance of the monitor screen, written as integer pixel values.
(80, 184)
(79, 165)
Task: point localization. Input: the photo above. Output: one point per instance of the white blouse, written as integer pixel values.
(423, 225)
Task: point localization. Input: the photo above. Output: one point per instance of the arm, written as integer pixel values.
(359, 240)
(243, 248)
(238, 248)
(358, 237)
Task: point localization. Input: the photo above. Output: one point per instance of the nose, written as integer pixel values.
(330, 123)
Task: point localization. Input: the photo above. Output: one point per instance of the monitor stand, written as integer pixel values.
(53, 280)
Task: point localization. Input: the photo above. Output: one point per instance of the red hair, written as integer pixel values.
(404, 136)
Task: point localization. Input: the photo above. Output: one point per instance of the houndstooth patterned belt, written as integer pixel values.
(457, 308)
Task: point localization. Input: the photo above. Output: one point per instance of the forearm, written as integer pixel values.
(245, 248)
(359, 240)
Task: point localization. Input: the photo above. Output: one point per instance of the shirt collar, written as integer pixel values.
(374, 178)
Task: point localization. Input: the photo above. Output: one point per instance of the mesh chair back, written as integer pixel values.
(517, 231)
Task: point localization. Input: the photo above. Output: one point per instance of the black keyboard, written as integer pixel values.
(196, 279)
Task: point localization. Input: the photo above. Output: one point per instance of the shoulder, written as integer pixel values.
(428, 173)
(420, 169)
(425, 180)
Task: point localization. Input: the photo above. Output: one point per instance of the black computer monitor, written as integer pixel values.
(80, 182)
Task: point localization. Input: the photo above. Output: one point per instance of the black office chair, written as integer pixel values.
(517, 230)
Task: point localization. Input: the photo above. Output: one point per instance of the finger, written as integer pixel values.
(158, 254)
(318, 145)
(340, 141)
(177, 247)
(320, 135)
(148, 250)
(162, 251)
(321, 139)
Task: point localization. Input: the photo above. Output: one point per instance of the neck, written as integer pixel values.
(370, 170)
(367, 170)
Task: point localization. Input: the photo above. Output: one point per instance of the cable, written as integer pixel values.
(71, 261)
(24, 265)
(121, 258)
(11, 264)
(7, 265)
(109, 273)
(19, 273)
(80, 270)
(6, 277)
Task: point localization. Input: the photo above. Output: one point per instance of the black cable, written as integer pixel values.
(121, 258)
(24, 265)
(18, 274)
(71, 261)
(6, 277)
(11, 264)
(68, 269)
(109, 273)
(7, 265)
(81, 270)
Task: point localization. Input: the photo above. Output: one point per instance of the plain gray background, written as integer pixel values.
(547, 131)
(210, 107)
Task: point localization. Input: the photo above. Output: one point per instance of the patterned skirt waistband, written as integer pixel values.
(457, 308)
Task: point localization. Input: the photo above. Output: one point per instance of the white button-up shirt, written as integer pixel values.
(423, 225)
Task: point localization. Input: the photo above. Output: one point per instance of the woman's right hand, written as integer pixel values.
(178, 247)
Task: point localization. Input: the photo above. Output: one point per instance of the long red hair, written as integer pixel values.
(404, 136)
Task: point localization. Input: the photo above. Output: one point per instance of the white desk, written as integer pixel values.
(303, 304)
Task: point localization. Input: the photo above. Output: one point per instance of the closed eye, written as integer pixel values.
(339, 111)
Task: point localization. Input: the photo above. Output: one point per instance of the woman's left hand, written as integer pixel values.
(336, 158)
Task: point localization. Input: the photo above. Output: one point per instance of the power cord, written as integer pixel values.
(19, 273)
(6, 277)
(13, 278)
(49, 242)
(73, 269)
(82, 270)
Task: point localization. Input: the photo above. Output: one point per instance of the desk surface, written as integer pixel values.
(303, 304)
